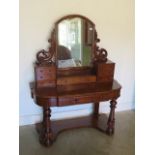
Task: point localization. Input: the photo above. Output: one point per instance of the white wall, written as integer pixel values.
(114, 21)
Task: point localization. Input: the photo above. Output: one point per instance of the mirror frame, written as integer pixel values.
(50, 56)
(92, 51)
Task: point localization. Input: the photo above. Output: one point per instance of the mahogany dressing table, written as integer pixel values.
(74, 70)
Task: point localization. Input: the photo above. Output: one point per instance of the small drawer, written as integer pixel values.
(74, 100)
(83, 99)
(66, 101)
(102, 97)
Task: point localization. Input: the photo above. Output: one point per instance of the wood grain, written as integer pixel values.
(54, 87)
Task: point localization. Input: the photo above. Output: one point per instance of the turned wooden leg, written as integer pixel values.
(96, 109)
(46, 137)
(111, 119)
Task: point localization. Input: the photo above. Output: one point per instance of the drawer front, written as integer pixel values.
(46, 101)
(66, 101)
(75, 100)
(84, 99)
(62, 101)
(45, 76)
(92, 98)
(105, 72)
(76, 80)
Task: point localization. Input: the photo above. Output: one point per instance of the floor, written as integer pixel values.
(84, 141)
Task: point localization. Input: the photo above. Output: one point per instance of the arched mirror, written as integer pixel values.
(73, 45)
(75, 38)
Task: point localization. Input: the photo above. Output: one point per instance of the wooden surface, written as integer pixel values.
(69, 80)
(98, 122)
(71, 88)
(54, 87)
(75, 94)
(71, 95)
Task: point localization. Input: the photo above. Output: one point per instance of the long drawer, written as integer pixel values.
(71, 100)
(95, 97)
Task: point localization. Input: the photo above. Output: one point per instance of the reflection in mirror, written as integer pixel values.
(75, 38)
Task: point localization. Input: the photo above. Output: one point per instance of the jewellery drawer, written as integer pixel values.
(66, 101)
(69, 100)
(72, 100)
(83, 99)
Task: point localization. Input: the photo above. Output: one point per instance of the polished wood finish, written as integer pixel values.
(105, 71)
(55, 87)
(45, 75)
(46, 136)
(74, 16)
(96, 109)
(76, 79)
(100, 54)
(85, 70)
(95, 92)
(111, 119)
(80, 122)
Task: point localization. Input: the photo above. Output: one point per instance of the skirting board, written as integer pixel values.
(104, 108)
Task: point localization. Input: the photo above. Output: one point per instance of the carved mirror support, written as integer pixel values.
(48, 57)
(100, 54)
(73, 43)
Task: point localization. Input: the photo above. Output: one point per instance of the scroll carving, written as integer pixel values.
(47, 57)
(100, 54)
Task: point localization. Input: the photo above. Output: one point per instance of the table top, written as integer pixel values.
(88, 88)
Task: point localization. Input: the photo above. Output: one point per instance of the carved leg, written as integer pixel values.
(111, 119)
(46, 137)
(96, 109)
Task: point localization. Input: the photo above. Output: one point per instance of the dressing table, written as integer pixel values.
(74, 70)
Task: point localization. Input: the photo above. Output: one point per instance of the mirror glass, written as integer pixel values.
(75, 42)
